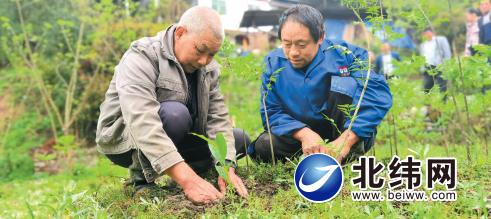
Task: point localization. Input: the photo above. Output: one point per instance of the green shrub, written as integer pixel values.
(24, 134)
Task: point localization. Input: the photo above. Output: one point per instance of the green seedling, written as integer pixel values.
(218, 149)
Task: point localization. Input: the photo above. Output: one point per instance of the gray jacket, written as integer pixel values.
(149, 73)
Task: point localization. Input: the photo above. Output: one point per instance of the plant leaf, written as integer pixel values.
(221, 146)
(218, 147)
(223, 172)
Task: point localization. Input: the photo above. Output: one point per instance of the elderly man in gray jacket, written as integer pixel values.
(164, 88)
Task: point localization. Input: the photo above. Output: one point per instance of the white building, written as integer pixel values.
(231, 11)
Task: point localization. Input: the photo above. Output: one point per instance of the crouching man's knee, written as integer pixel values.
(242, 142)
(176, 120)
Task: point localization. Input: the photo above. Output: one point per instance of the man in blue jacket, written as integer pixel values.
(384, 64)
(310, 87)
(484, 24)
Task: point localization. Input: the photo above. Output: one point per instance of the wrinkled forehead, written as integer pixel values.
(207, 41)
(295, 31)
(204, 32)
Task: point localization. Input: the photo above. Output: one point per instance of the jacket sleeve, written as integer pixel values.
(281, 123)
(378, 65)
(218, 119)
(135, 84)
(377, 99)
(397, 56)
(447, 53)
(481, 32)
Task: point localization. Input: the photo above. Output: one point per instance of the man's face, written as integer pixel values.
(194, 51)
(298, 45)
(427, 35)
(484, 7)
(385, 48)
(371, 56)
(471, 17)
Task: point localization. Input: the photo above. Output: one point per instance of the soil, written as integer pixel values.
(177, 204)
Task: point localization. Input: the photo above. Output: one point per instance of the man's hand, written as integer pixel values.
(196, 189)
(344, 143)
(235, 181)
(311, 141)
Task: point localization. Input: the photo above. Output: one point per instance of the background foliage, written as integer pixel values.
(56, 61)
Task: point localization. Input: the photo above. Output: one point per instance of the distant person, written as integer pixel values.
(272, 42)
(372, 57)
(484, 23)
(436, 50)
(243, 42)
(384, 63)
(472, 31)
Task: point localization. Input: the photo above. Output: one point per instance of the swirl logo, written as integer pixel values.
(318, 178)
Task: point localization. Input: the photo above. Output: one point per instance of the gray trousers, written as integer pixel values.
(177, 123)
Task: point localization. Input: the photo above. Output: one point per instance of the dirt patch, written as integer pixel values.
(44, 158)
(262, 181)
(170, 199)
(266, 188)
(48, 160)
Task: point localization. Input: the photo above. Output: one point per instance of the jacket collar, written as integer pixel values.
(167, 48)
(167, 43)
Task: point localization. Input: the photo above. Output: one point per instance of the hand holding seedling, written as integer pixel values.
(218, 149)
(235, 181)
(311, 141)
(342, 145)
(196, 189)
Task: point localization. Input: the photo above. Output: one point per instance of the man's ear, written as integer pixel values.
(321, 38)
(180, 31)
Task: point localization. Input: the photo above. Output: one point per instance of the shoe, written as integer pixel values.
(170, 184)
(146, 189)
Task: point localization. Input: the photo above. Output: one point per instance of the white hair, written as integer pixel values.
(199, 19)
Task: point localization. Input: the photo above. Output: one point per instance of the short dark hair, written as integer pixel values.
(307, 16)
(241, 37)
(474, 11)
(428, 29)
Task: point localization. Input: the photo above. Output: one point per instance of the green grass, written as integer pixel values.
(97, 190)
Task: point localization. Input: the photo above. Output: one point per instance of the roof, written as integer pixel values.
(330, 9)
(256, 18)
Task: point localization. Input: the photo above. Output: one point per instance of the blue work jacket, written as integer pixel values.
(296, 98)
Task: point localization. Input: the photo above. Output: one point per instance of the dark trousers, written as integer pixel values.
(429, 80)
(177, 123)
(287, 147)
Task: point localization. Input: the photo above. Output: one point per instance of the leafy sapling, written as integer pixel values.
(272, 79)
(347, 110)
(218, 149)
